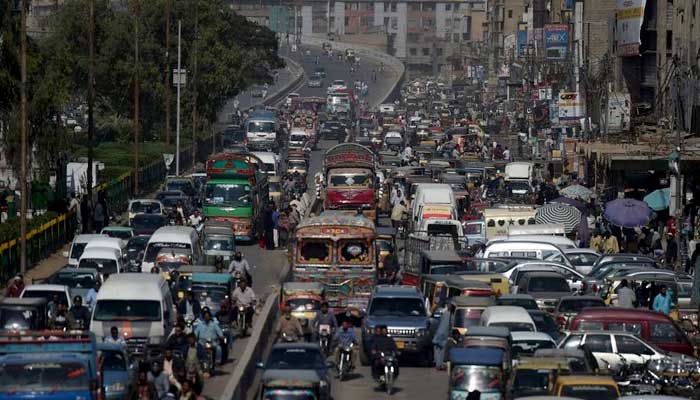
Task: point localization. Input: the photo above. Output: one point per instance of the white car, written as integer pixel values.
(290, 98)
(611, 348)
(47, 291)
(573, 277)
(337, 84)
(386, 108)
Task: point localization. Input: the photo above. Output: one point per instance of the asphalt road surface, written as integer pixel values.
(269, 264)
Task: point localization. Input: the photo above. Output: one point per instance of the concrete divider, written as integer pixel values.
(243, 378)
(299, 77)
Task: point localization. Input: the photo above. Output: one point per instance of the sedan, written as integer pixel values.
(302, 360)
(314, 82)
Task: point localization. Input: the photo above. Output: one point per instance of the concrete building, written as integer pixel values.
(424, 34)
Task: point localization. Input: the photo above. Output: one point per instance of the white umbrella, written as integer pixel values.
(577, 192)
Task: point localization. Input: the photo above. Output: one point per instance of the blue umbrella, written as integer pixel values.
(658, 199)
(628, 213)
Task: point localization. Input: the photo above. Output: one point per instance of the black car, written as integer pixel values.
(168, 193)
(297, 362)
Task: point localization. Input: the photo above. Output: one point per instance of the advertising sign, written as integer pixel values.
(556, 41)
(630, 14)
(571, 107)
(521, 43)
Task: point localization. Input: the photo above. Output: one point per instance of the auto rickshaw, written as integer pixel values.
(439, 288)
(490, 337)
(535, 376)
(468, 311)
(219, 240)
(304, 300)
(212, 289)
(183, 278)
(385, 241)
(23, 314)
(471, 369)
(499, 284)
(586, 387)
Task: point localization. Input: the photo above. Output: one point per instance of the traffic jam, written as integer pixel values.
(415, 235)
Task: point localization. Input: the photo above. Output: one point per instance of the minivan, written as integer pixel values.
(431, 193)
(78, 246)
(524, 249)
(183, 237)
(141, 306)
(270, 160)
(514, 318)
(105, 260)
(654, 327)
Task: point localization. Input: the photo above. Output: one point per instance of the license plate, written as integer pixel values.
(399, 344)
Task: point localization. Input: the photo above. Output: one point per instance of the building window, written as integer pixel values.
(368, 6)
(455, 37)
(413, 51)
(386, 22)
(393, 7)
(386, 6)
(347, 21)
(366, 21)
(510, 14)
(428, 7)
(427, 22)
(448, 7)
(426, 51)
(394, 23)
(412, 37)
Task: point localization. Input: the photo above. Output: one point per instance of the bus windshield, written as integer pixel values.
(228, 195)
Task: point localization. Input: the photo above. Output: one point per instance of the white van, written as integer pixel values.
(523, 249)
(141, 306)
(105, 260)
(430, 193)
(515, 318)
(110, 242)
(560, 241)
(183, 237)
(78, 246)
(144, 206)
(298, 138)
(271, 161)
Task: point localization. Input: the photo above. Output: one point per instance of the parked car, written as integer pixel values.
(119, 232)
(546, 287)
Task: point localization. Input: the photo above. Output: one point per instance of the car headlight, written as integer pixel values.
(116, 387)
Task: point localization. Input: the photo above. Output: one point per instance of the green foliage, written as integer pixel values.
(10, 229)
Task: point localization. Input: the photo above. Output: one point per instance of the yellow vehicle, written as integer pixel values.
(183, 277)
(535, 376)
(275, 189)
(468, 311)
(498, 220)
(439, 288)
(499, 284)
(586, 387)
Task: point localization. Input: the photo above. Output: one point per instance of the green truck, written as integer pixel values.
(236, 191)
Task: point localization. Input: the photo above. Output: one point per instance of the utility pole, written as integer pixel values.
(136, 95)
(194, 83)
(23, 132)
(91, 109)
(167, 72)
(179, 83)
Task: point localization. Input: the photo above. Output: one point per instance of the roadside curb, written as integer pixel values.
(243, 376)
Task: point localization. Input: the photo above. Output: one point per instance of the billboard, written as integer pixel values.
(556, 41)
(630, 14)
(571, 107)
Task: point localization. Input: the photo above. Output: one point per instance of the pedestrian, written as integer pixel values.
(80, 313)
(625, 296)
(283, 228)
(398, 213)
(294, 218)
(144, 389)
(102, 199)
(99, 218)
(610, 245)
(275, 226)
(16, 287)
(663, 300)
(671, 251)
(84, 214)
(268, 226)
(74, 206)
(441, 336)
(506, 154)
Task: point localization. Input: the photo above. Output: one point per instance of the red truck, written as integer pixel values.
(349, 180)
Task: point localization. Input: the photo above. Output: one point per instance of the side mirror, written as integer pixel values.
(65, 254)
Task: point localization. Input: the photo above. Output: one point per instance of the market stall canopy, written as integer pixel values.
(658, 199)
(627, 213)
(556, 213)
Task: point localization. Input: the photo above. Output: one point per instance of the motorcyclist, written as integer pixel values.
(323, 317)
(240, 265)
(209, 331)
(381, 343)
(289, 326)
(244, 295)
(189, 307)
(344, 337)
(178, 340)
(62, 319)
(390, 268)
(80, 313)
(194, 355)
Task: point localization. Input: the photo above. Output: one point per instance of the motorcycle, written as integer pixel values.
(387, 379)
(344, 364)
(288, 338)
(241, 322)
(324, 341)
(209, 364)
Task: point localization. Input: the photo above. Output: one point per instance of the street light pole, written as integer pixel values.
(23, 132)
(136, 96)
(167, 72)
(91, 114)
(179, 83)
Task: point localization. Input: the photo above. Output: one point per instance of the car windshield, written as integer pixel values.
(275, 187)
(590, 392)
(544, 323)
(113, 361)
(219, 243)
(185, 186)
(127, 310)
(548, 284)
(143, 207)
(353, 180)
(148, 222)
(17, 319)
(397, 307)
(209, 294)
(77, 250)
(74, 279)
(476, 377)
(118, 233)
(576, 305)
(37, 376)
(303, 304)
(528, 304)
(315, 251)
(105, 266)
(528, 347)
(289, 394)
(514, 326)
(464, 317)
(295, 358)
(228, 194)
(259, 126)
(532, 381)
(45, 294)
(296, 164)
